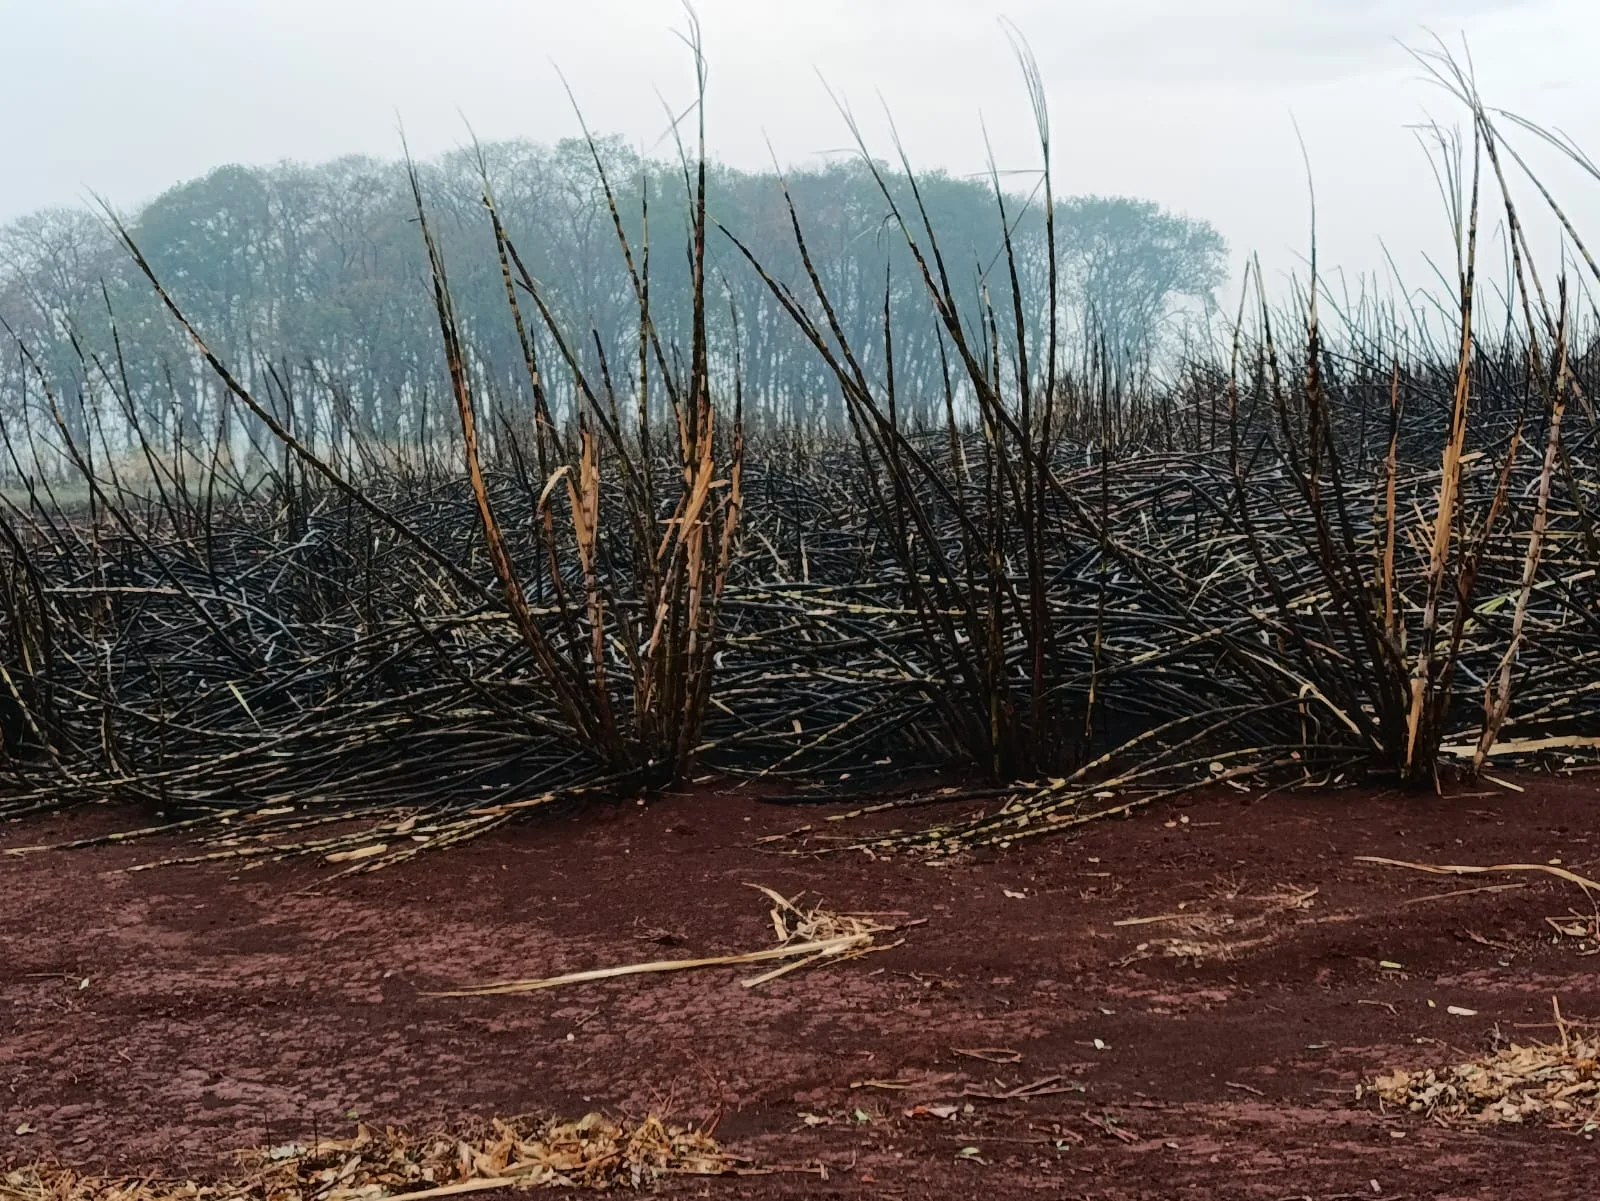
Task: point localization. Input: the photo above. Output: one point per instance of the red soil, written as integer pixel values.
(159, 1020)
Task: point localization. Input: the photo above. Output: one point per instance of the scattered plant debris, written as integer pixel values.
(1230, 923)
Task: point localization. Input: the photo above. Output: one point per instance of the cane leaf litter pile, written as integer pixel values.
(1555, 1083)
(1558, 1083)
(1325, 550)
(592, 1152)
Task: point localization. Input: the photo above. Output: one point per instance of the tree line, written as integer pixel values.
(312, 283)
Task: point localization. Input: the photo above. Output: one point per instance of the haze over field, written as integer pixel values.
(1191, 103)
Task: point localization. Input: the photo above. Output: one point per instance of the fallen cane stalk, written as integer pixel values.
(753, 981)
(1466, 870)
(822, 948)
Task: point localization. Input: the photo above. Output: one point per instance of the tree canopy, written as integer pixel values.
(318, 272)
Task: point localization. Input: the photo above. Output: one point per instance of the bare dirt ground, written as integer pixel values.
(160, 1020)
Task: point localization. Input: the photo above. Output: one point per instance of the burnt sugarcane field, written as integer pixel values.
(454, 610)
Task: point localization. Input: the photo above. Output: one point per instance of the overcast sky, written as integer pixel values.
(1190, 102)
